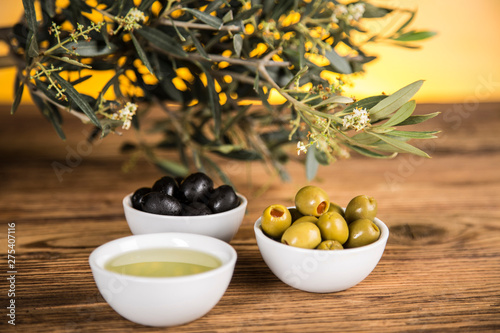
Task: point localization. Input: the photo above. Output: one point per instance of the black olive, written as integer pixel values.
(195, 209)
(179, 180)
(166, 185)
(138, 195)
(196, 187)
(223, 199)
(159, 203)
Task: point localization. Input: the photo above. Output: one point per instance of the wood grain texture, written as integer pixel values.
(440, 271)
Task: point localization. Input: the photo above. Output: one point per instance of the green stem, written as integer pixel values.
(74, 37)
(46, 72)
(103, 112)
(300, 106)
(193, 25)
(75, 113)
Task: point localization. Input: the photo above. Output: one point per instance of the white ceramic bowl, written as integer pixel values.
(163, 301)
(222, 225)
(320, 271)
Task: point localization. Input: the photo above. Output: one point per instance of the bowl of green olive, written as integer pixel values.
(319, 246)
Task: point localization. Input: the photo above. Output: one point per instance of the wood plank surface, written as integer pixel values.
(440, 271)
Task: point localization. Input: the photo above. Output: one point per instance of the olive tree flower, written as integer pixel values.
(348, 13)
(301, 147)
(125, 115)
(131, 20)
(358, 119)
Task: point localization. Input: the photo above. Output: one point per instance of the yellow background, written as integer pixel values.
(459, 65)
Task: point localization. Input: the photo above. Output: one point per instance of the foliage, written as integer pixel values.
(212, 67)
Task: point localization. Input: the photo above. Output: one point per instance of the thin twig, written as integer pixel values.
(192, 25)
(300, 106)
(240, 77)
(75, 113)
(234, 61)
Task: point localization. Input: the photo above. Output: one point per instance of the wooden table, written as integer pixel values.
(440, 271)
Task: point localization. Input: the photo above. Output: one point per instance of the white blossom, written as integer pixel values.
(136, 15)
(358, 119)
(356, 10)
(340, 10)
(131, 20)
(348, 13)
(348, 121)
(301, 147)
(125, 115)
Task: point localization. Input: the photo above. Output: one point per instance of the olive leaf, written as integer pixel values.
(414, 35)
(369, 153)
(70, 61)
(162, 41)
(393, 102)
(338, 62)
(77, 99)
(212, 21)
(30, 14)
(398, 144)
(51, 113)
(198, 45)
(237, 44)
(337, 99)
(213, 98)
(417, 119)
(372, 11)
(415, 134)
(171, 167)
(312, 163)
(145, 5)
(88, 49)
(401, 115)
(18, 94)
(141, 53)
(214, 5)
(365, 103)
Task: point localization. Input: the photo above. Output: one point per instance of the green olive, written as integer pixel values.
(361, 207)
(295, 213)
(275, 220)
(312, 200)
(305, 235)
(307, 218)
(330, 245)
(362, 232)
(336, 208)
(333, 227)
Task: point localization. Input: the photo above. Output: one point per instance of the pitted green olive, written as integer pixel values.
(312, 200)
(336, 208)
(307, 218)
(295, 213)
(362, 232)
(330, 245)
(305, 235)
(275, 220)
(361, 207)
(333, 227)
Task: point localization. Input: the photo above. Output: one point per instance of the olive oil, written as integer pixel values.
(162, 262)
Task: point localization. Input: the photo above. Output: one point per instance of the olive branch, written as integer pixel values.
(212, 67)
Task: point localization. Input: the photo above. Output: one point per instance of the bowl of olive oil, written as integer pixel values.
(163, 279)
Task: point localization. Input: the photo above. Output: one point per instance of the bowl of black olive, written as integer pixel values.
(190, 205)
